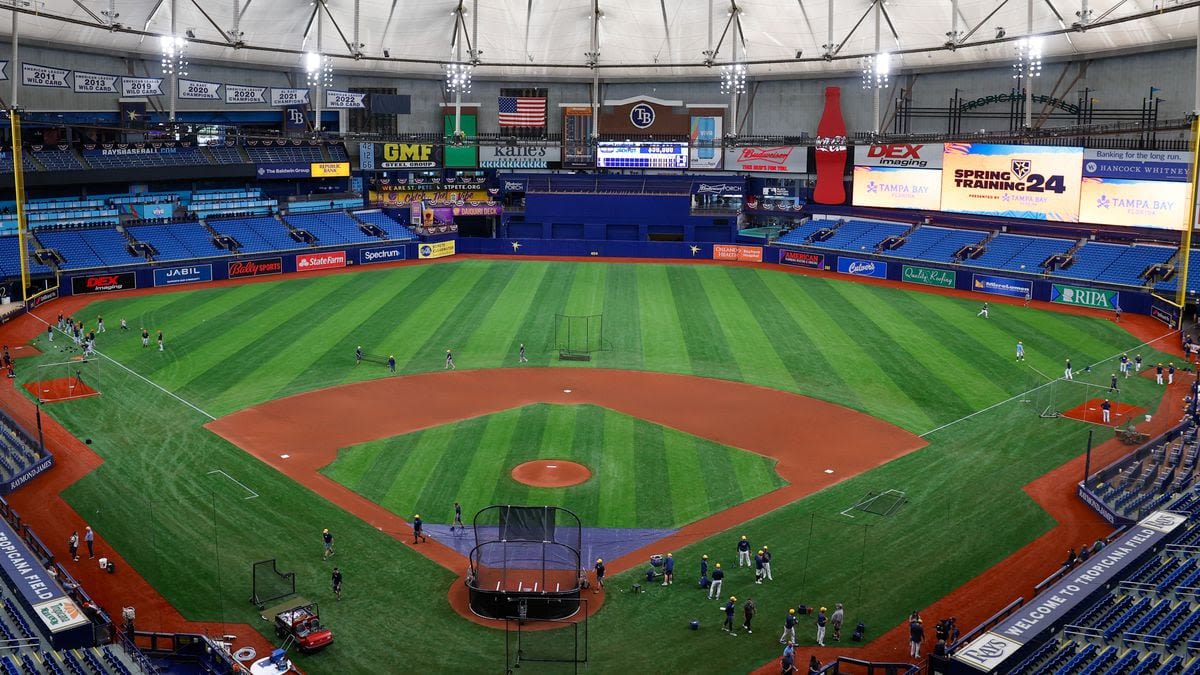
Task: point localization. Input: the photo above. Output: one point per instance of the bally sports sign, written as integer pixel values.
(310, 262)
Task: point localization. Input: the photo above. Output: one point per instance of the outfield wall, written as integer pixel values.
(987, 284)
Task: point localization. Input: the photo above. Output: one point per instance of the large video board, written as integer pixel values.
(897, 188)
(1015, 181)
(1135, 203)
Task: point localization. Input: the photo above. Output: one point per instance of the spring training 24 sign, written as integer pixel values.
(1016, 181)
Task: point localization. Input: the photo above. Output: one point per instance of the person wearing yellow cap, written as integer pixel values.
(729, 609)
(743, 551)
(789, 628)
(704, 582)
(416, 528)
(821, 621)
(766, 553)
(758, 567)
(718, 578)
(599, 567)
(327, 537)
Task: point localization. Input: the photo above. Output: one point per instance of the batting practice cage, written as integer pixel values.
(578, 336)
(269, 584)
(525, 564)
(1083, 399)
(67, 380)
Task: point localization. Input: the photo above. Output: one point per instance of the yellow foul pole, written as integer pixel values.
(14, 117)
(1185, 248)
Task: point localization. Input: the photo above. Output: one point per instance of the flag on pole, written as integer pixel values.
(522, 108)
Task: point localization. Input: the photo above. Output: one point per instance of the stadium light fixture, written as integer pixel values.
(319, 69)
(174, 55)
(1029, 57)
(876, 70)
(458, 77)
(733, 78)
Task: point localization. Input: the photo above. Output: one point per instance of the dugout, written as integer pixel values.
(526, 563)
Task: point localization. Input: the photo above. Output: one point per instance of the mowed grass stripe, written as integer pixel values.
(457, 321)
(806, 365)
(244, 386)
(389, 459)
(683, 478)
(929, 381)
(413, 474)
(536, 327)
(870, 386)
(753, 350)
(622, 319)
(487, 462)
(557, 442)
(720, 484)
(663, 346)
(617, 505)
(445, 485)
(653, 499)
(495, 341)
(708, 349)
(530, 428)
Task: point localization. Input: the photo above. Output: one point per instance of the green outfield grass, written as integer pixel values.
(425, 471)
(917, 360)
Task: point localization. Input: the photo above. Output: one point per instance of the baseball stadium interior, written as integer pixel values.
(869, 324)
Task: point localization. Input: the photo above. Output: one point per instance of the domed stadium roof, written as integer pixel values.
(647, 39)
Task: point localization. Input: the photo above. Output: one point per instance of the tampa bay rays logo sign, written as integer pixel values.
(1021, 168)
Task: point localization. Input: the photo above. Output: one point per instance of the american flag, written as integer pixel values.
(522, 111)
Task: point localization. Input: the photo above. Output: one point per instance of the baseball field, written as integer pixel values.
(191, 511)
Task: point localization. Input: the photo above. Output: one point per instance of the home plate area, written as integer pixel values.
(1090, 411)
(609, 543)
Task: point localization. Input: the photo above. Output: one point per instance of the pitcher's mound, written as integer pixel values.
(551, 473)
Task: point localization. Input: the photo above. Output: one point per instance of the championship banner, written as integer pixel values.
(237, 93)
(705, 144)
(93, 83)
(33, 75)
(199, 91)
(344, 99)
(3, 71)
(900, 155)
(285, 97)
(141, 86)
(776, 159)
(1015, 181)
(897, 188)
(439, 249)
(518, 156)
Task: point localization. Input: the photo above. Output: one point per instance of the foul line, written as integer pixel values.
(1040, 386)
(136, 374)
(253, 494)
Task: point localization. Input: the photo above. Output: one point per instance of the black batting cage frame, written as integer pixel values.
(269, 584)
(578, 336)
(564, 641)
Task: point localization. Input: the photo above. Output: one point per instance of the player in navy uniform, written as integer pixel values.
(160, 341)
(449, 361)
(1125, 367)
(1137, 363)
(714, 591)
(668, 570)
(392, 364)
(599, 567)
(327, 539)
(789, 628)
(416, 528)
(145, 338)
(759, 562)
(983, 311)
(521, 355)
(730, 608)
(704, 583)
(358, 355)
(767, 564)
(1106, 409)
(336, 580)
(743, 551)
(1158, 371)
(1170, 373)
(821, 621)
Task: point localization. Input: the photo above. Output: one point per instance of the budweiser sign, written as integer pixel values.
(776, 159)
(255, 268)
(320, 261)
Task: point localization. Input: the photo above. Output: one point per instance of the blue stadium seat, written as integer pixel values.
(393, 230)
(862, 236)
(937, 244)
(177, 241)
(334, 227)
(257, 235)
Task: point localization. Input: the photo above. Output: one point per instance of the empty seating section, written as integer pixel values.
(257, 235)
(230, 202)
(801, 233)
(58, 159)
(84, 248)
(6, 162)
(10, 258)
(392, 230)
(337, 152)
(1193, 284)
(284, 154)
(148, 158)
(938, 244)
(1093, 260)
(334, 227)
(324, 205)
(226, 154)
(1127, 269)
(177, 241)
(1020, 252)
(861, 235)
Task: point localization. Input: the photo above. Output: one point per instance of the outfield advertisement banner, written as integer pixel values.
(1084, 297)
(1164, 312)
(309, 262)
(29, 474)
(896, 188)
(862, 268)
(814, 261)
(174, 276)
(24, 569)
(900, 155)
(369, 256)
(255, 268)
(1135, 203)
(1015, 181)
(103, 283)
(988, 651)
(1147, 165)
(60, 615)
(929, 276)
(1013, 288)
(439, 249)
(738, 253)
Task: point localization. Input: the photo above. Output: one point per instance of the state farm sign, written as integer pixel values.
(905, 155)
(255, 268)
(103, 283)
(320, 261)
(760, 159)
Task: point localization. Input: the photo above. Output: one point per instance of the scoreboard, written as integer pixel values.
(612, 155)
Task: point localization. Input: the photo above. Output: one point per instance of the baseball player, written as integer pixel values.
(767, 564)
(599, 575)
(73, 545)
(1068, 373)
(416, 528)
(337, 583)
(836, 619)
(449, 361)
(1112, 383)
(145, 338)
(160, 341)
(704, 583)
(327, 539)
(729, 609)
(1106, 410)
(743, 552)
(789, 628)
(1137, 363)
(983, 311)
(358, 355)
(124, 324)
(822, 620)
(1020, 351)
(392, 364)
(669, 570)
(1170, 373)
(1158, 373)
(1028, 297)
(759, 574)
(457, 517)
(521, 355)
(50, 333)
(100, 324)
(1125, 367)
(718, 577)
